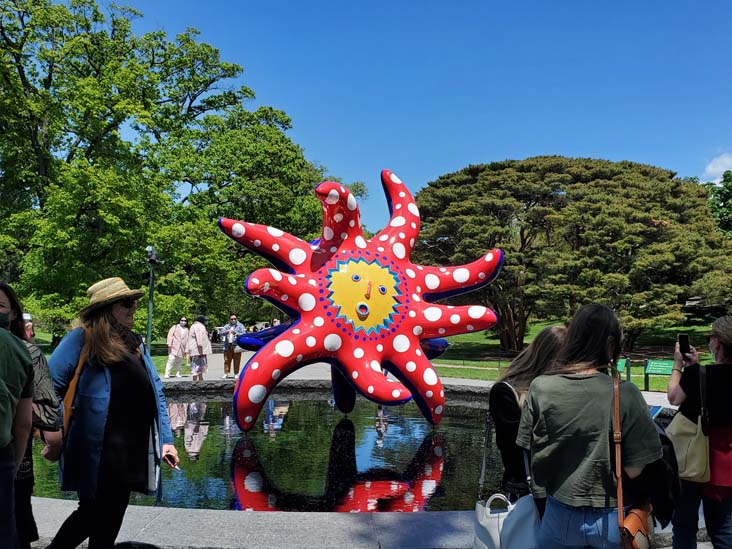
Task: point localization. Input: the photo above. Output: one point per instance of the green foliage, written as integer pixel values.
(720, 201)
(574, 231)
(110, 141)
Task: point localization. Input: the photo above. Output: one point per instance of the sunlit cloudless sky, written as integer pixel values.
(426, 88)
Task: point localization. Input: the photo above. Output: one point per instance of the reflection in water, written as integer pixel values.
(196, 430)
(346, 490)
(274, 416)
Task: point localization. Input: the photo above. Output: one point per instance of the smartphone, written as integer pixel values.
(167, 458)
(684, 345)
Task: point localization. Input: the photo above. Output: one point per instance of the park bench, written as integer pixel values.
(656, 367)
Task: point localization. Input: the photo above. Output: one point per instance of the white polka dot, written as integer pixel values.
(408, 497)
(351, 202)
(402, 236)
(274, 231)
(417, 330)
(298, 358)
(370, 389)
(432, 313)
(298, 256)
(344, 236)
(380, 249)
(306, 302)
(438, 410)
(318, 321)
(312, 282)
(310, 341)
(255, 281)
(429, 394)
(395, 393)
(284, 348)
(257, 393)
(338, 217)
(411, 242)
(248, 419)
(276, 374)
(401, 343)
(442, 393)
(429, 486)
(332, 197)
(412, 314)
(360, 241)
(481, 275)
(476, 311)
(432, 281)
(255, 365)
(379, 347)
(275, 247)
(418, 352)
(327, 233)
(402, 194)
(489, 258)
(291, 280)
(398, 207)
(257, 243)
(411, 366)
(285, 297)
(415, 297)
(237, 230)
(410, 273)
(384, 237)
(429, 376)
(375, 366)
(275, 274)
(398, 221)
(358, 352)
(441, 331)
(355, 375)
(399, 250)
(296, 331)
(395, 179)
(455, 319)
(469, 327)
(412, 207)
(332, 342)
(352, 223)
(461, 275)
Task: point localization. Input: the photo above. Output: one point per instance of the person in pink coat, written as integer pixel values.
(177, 346)
(199, 347)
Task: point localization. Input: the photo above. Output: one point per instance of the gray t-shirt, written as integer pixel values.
(566, 422)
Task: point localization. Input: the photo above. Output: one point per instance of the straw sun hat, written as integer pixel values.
(108, 291)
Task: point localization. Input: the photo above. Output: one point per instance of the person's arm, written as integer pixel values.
(675, 393)
(54, 442)
(22, 423)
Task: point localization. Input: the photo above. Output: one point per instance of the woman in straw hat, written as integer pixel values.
(120, 430)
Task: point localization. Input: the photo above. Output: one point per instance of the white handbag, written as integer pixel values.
(514, 527)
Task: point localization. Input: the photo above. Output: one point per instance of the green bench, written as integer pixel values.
(656, 367)
(623, 365)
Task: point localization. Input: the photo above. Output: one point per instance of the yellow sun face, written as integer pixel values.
(365, 293)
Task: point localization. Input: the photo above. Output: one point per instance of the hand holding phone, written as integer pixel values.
(684, 346)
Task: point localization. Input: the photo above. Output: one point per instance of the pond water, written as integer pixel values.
(306, 456)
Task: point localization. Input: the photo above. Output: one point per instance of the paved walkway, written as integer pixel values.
(197, 528)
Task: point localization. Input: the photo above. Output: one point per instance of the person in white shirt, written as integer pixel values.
(177, 346)
(199, 347)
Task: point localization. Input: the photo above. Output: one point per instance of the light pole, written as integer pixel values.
(152, 260)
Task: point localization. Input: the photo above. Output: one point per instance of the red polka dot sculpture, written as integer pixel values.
(357, 304)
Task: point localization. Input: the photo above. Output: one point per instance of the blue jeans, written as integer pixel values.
(717, 515)
(566, 527)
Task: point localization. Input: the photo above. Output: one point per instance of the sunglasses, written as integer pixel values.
(128, 303)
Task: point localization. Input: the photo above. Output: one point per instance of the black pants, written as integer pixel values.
(98, 518)
(27, 530)
(8, 536)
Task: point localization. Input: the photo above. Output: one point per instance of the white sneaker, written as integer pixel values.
(236, 376)
(178, 375)
(167, 376)
(224, 376)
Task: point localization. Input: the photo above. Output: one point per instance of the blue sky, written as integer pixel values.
(425, 88)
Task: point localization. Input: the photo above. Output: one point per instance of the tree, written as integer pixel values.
(110, 141)
(574, 230)
(720, 200)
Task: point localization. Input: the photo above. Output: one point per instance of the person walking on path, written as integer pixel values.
(177, 346)
(119, 432)
(16, 402)
(684, 392)
(232, 351)
(199, 347)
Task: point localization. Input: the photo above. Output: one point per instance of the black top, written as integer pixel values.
(719, 384)
(506, 414)
(131, 414)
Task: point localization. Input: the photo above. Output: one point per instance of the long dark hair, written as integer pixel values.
(593, 340)
(103, 337)
(534, 359)
(17, 325)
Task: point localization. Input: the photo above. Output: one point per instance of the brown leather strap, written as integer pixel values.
(617, 439)
(71, 390)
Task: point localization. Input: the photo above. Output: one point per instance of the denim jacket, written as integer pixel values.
(79, 465)
(238, 330)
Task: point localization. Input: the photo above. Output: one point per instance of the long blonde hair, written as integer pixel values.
(102, 341)
(534, 359)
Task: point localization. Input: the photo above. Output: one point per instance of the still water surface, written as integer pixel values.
(306, 456)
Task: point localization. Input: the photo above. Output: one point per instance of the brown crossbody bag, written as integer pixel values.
(636, 529)
(70, 395)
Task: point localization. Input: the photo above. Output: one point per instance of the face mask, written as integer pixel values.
(183, 323)
(5, 321)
